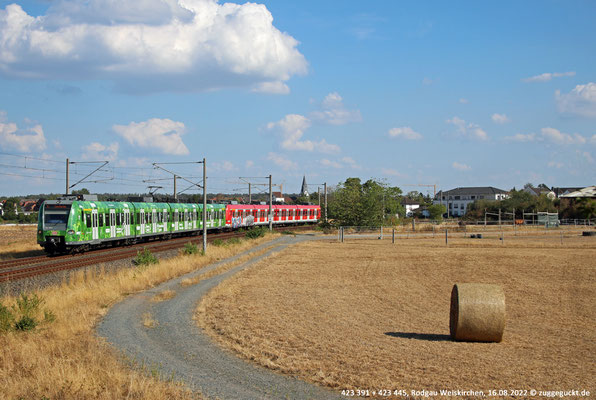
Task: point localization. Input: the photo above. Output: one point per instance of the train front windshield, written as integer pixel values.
(56, 216)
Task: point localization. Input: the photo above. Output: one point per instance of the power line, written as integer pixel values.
(31, 158)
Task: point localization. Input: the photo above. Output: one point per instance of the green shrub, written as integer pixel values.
(145, 257)
(190, 248)
(25, 323)
(232, 241)
(6, 319)
(256, 232)
(28, 306)
(288, 233)
(218, 242)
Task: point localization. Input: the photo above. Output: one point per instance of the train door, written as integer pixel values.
(94, 225)
(194, 218)
(126, 222)
(154, 220)
(165, 220)
(142, 221)
(185, 219)
(112, 223)
(176, 216)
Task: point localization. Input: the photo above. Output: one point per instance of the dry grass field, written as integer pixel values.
(65, 360)
(369, 314)
(18, 241)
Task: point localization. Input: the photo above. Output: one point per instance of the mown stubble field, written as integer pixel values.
(369, 314)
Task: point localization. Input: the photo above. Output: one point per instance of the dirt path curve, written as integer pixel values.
(179, 348)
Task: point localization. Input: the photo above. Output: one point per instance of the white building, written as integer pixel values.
(457, 200)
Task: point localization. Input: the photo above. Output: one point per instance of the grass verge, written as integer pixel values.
(65, 359)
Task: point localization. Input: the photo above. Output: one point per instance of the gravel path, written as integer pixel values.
(179, 348)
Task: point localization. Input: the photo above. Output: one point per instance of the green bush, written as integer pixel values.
(6, 319)
(25, 323)
(218, 242)
(145, 257)
(256, 232)
(28, 306)
(232, 241)
(190, 248)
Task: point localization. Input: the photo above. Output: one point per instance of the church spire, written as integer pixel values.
(304, 190)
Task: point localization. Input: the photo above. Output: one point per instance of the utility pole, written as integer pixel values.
(204, 206)
(319, 193)
(270, 206)
(67, 176)
(499, 217)
(249, 194)
(175, 191)
(325, 185)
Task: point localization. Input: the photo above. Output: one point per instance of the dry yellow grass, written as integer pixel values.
(65, 359)
(165, 295)
(367, 314)
(18, 242)
(148, 321)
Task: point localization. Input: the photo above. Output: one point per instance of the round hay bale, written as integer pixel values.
(589, 233)
(477, 312)
(479, 236)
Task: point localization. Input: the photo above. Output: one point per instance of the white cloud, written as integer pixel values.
(500, 118)
(586, 156)
(580, 101)
(555, 136)
(593, 139)
(351, 163)
(249, 164)
(555, 164)
(271, 88)
(334, 111)
(21, 139)
(463, 101)
(151, 45)
(98, 152)
(405, 132)
(427, 81)
(520, 137)
(393, 172)
(160, 134)
(292, 128)
(469, 130)
(551, 135)
(282, 162)
(226, 166)
(328, 163)
(547, 76)
(460, 167)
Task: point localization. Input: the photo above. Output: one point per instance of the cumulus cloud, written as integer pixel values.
(547, 76)
(226, 166)
(98, 152)
(580, 101)
(555, 136)
(405, 133)
(343, 163)
(151, 45)
(21, 139)
(468, 130)
(163, 135)
(460, 167)
(393, 172)
(520, 137)
(551, 135)
(334, 112)
(555, 164)
(282, 162)
(464, 101)
(500, 118)
(292, 127)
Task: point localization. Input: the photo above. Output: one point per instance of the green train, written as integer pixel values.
(72, 225)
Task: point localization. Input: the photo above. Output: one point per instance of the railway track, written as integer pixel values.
(17, 269)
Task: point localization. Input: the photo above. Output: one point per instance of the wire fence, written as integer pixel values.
(453, 231)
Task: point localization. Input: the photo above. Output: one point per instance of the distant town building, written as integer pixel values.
(541, 189)
(587, 192)
(410, 206)
(563, 191)
(457, 200)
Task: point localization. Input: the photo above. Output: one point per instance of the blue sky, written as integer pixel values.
(452, 94)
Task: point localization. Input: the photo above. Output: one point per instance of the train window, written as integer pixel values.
(88, 220)
(101, 219)
(118, 219)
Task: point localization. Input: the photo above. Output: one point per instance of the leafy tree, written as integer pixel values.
(587, 208)
(81, 191)
(436, 211)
